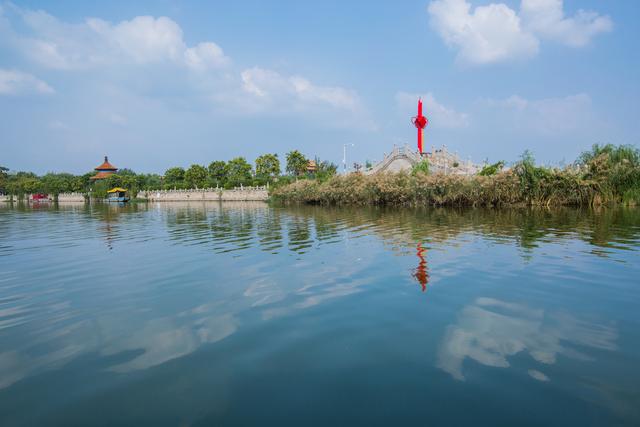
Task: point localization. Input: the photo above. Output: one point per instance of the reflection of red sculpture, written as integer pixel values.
(421, 273)
(420, 122)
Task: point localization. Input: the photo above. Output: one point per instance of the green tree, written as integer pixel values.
(238, 172)
(115, 180)
(99, 188)
(613, 154)
(126, 171)
(325, 170)
(217, 173)
(268, 166)
(616, 169)
(53, 183)
(78, 184)
(130, 182)
(296, 163)
(150, 181)
(196, 176)
(530, 176)
(174, 177)
(493, 169)
(24, 183)
(421, 167)
(4, 177)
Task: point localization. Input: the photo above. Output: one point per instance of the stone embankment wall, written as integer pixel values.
(71, 197)
(62, 197)
(244, 194)
(206, 194)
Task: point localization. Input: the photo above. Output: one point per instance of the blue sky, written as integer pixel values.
(165, 83)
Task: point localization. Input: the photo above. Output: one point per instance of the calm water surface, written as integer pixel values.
(244, 314)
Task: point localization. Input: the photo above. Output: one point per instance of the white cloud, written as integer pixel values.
(268, 92)
(262, 83)
(439, 115)
(335, 96)
(14, 82)
(127, 46)
(204, 56)
(143, 39)
(546, 18)
(96, 42)
(548, 115)
(490, 33)
(495, 32)
(272, 88)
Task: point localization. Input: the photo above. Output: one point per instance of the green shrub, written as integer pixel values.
(421, 167)
(493, 169)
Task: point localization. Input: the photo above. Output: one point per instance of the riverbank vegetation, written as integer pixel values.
(605, 174)
(233, 173)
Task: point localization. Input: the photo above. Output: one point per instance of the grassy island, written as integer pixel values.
(604, 175)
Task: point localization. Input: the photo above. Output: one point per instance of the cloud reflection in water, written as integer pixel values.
(490, 331)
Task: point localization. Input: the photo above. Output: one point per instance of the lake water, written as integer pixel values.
(244, 314)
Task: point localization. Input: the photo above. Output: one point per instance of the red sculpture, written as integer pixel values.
(420, 122)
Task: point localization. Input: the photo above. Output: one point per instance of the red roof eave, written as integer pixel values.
(106, 166)
(101, 175)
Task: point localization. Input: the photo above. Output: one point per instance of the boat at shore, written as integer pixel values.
(118, 195)
(39, 198)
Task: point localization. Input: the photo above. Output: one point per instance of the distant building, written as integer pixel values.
(105, 170)
(312, 167)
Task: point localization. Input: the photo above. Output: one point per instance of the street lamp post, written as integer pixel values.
(344, 156)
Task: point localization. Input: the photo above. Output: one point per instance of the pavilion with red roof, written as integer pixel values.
(105, 170)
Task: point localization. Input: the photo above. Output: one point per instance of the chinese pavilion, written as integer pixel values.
(104, 170)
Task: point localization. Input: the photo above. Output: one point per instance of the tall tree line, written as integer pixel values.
(218, 173)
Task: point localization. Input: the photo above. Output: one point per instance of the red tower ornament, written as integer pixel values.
(420, 122)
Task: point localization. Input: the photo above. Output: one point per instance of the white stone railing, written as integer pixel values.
(71, 197)
(403, 152)
(259, 193)
(209, 189)
(73, 194)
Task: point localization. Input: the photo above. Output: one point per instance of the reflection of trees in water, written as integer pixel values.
(269, 230)
(327, 230)
(188, 223)
(228, 228)
(299, 233)
(235, 227)
(113, 219)
(527, 227)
